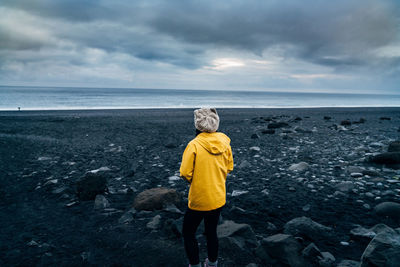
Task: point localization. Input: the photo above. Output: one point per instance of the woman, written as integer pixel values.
(206, 162)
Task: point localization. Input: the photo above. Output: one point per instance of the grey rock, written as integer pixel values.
(326, 259)
(127, 217)
(101, 202)
(345, 186)
(311, 252)
(154, 223)
(307, 228)
(383, 250)
(91, 185)
(244, 164)
(285, 248)
(390, 209)
(243, 233)
(299, 167)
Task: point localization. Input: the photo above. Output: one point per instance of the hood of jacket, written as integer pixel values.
(215, 143)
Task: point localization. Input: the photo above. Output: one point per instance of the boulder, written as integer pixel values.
(91, 185)
(394, 146)
(284, 248)
(345, 186)
(390, 209)
(386, 158)
(345, 123)
(235, 240)
(307, 228)
(254, 136)
(101, 202)
(156, 199)
(242, 232)
(301, 166)
(383, 250)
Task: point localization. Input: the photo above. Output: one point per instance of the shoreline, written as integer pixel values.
(102, 109)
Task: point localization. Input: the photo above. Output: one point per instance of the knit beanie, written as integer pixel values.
(206, 120)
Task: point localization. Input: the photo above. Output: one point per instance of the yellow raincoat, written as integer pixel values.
(205, 164)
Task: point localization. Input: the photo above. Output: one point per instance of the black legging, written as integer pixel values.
(191, 221)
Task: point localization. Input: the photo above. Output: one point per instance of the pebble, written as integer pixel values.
(369, 194)
(344, 243)
(254, 148)
(236, 193)
(367, 206)
(356, 174)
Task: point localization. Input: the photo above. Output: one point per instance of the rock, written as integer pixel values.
(348, 263)
(91, 185)
(235, 239)
(362, 233)
(268, 131)
(271, 226)
(370, 173)
(154, 223)
(285, 248)
(327, 118)
(102, 169)
(394, 146)
(356, 174)
(127, 217)
(236, 193)
(171, 143)
(275, 125)
(311, 252)
(307, 228)
(306, 207)
(301, 130)
(172, 208)
(390, 209)
(326, 259)
(173, 228)
(386, 158)
(354, 169)
(101, 202)
(385, 118)
(345, 123)
(237, 250)
(242, 232)
(254, 136)
(254, 148)
(156, 199)
(299, 167)
(244, 164)
(383, 250)
(345, 186)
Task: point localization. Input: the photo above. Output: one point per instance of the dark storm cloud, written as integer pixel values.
(348, 37)
(340, 33)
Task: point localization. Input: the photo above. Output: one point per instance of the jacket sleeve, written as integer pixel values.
(230, 161)
(188, 159)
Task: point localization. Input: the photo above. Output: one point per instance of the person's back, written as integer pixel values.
(205, 164)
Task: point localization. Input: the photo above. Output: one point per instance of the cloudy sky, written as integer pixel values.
(275, 45)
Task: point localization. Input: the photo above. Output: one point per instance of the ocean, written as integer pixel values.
(62, 98)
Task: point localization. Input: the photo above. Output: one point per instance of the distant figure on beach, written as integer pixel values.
(19, 108)
(206, 162)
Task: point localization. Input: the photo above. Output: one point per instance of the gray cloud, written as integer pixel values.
(343, 35)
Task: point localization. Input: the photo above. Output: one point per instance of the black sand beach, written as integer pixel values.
(44, 153)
